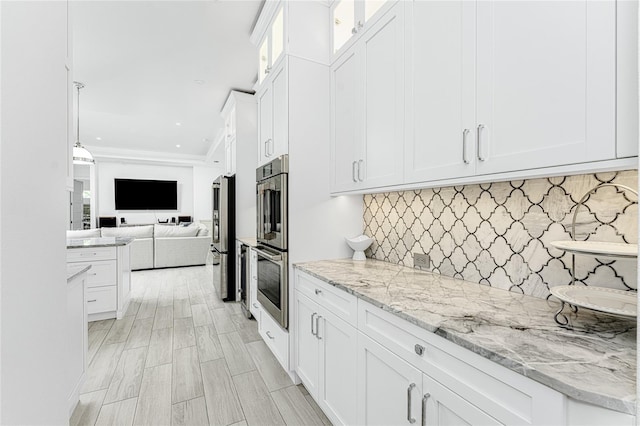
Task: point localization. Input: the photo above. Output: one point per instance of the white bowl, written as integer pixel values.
(359, 245)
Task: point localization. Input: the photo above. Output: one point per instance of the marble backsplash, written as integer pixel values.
(498, 234)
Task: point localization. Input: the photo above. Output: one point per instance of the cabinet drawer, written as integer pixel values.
(503, 394)
(101, 299)
(102, 273)
(339, 302)
(276, 338)
(97, 253)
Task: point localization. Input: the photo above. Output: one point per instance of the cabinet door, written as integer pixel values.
(76, 334)
(627, 79)
(337, 382)
(389, 389)
(545, 83)
(382, 50)
(306, 342)
(446, 408)
(440, 90)
(345, 129)
(265, 126)
(343, 24)
(263, 59)
(279, 143)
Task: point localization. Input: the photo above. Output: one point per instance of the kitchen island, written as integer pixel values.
(109, 280)
(587, 372)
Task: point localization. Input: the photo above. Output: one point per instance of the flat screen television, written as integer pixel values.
(139, 194)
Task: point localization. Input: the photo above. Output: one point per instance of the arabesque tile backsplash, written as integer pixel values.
(499, 233)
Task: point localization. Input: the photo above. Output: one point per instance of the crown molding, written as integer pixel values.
(147, 157)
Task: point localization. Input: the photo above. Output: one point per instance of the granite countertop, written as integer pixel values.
(98, 242)
(250, 241)
(594, 363)
(75, 270)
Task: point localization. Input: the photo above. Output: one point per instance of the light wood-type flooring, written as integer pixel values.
(181, 356)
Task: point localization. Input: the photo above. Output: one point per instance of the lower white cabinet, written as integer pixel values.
(276, 338)
(383, 370)
(254, 306)
(389, 389)
(77, 338)
(326, 359)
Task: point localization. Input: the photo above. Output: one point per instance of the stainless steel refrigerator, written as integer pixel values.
(224, 235)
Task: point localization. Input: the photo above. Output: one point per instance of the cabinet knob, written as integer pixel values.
(93, 300)
(419, 349)
(270, 336)
(318, 291)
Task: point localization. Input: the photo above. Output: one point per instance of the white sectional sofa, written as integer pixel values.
(159, 246)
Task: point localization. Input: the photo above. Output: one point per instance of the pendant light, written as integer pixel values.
(80, 154)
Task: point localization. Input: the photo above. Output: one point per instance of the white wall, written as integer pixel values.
(107, 171)
(33, 208)
(202, 179)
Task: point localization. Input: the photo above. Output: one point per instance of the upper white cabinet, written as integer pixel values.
(440, 90)
(351, 18)
(273, 118)
(272, 45)
(476, 91)
(546, 84)
(367, 85)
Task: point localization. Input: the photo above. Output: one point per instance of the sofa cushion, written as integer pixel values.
(164, 231)
(129, 231)
(84, 233)
(203, 231)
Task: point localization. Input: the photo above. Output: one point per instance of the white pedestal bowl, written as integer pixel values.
(359, 245)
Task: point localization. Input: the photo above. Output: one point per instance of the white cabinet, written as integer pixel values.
(480, 93)
(350, 18)
(77, 338)
(108, 281)
(272, 46)
(389, 389)
(325, 348)
(273, 116)
(367, 88)
(440, 90)
(544, 98)
(71, 135)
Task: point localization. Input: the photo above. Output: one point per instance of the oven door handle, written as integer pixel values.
(272, 257)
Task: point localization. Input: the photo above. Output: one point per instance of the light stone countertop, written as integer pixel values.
(594, 363)
(75, 270)
(98, 242)
(249, 241)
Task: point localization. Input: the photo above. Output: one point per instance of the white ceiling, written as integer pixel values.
(140, 61)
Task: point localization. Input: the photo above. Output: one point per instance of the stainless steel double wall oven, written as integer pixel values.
(272, 212)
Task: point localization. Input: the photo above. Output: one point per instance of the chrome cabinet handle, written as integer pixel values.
(270, 336)
(480, 129)
(318, 291)
(318, 327)
(465, 159)
(93, 300)
(409, 389)
(419, 349)
(255, 305)
(424, 408)
(360, 162)
(272, 147)
(353, 171)
(266, 148)
(354, 30)
(313, 332)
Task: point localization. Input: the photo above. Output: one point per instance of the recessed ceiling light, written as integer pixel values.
(198, 81)
(98, 138)
(178, 124)
(178, 146)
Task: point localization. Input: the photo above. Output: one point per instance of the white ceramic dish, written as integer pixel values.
(616, 302)
(359, 244)
(596, 248)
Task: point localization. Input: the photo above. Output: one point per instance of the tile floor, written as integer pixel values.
(181, 356)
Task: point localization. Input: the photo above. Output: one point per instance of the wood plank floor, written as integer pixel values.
(181, 356)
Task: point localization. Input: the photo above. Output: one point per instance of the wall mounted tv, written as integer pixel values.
(139, 194)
